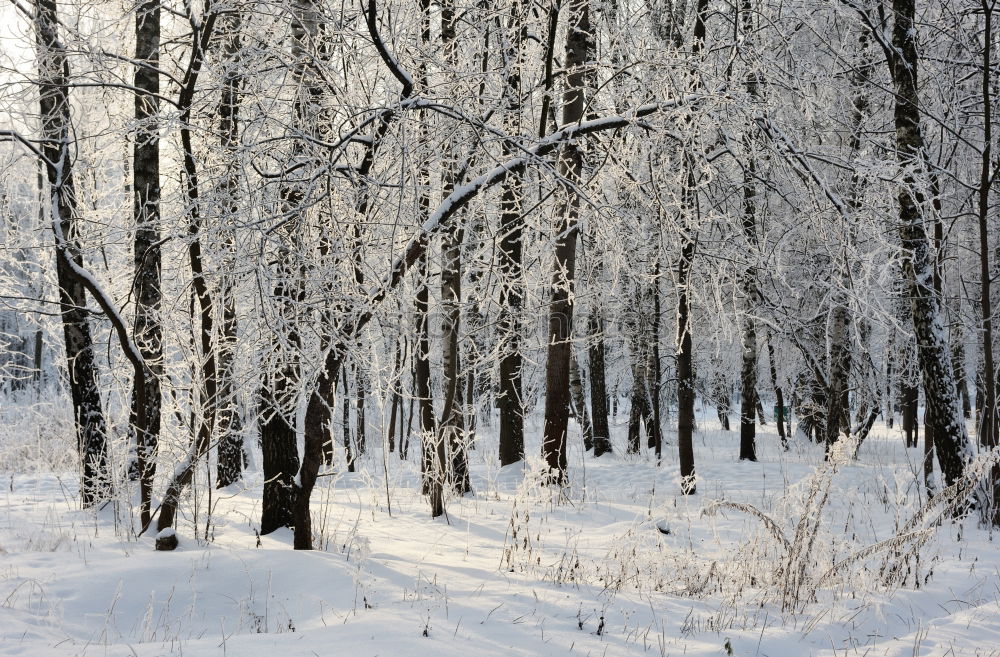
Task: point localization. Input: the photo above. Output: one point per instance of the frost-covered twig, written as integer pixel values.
(750, 509)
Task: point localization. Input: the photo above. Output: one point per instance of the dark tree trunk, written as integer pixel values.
(147, 331)
(598, 384)
(909, 394)
(750, 292)
(961, 376)
(451, 429)
(838, 362)
(779, 397)
(432, 450)
(685, 364)
(283, 499)
(511, 269)
(349, 453)
(989, 433)
(579, 402)
(655, 376)
(395, 398)
(684, 343)
(91, 430)
(579, 48)
(208, 394)
(950, 440)
(360, 412)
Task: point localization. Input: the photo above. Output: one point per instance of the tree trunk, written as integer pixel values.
(579, 49)
(838, 363)
(208, 393)
(685, 360)
(88, 415)
(511, 269)
(451, 429)
(684, 343)
(231, 458)
(909, 397)
(282, 500)
(580, 403)
(989, 433)
(147, 332)
(750, 292)
(951, 441)
(779, 396)
(395, 398)
(598, 384)
(346, 420)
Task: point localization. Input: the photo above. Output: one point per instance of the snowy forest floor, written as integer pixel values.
(517, 568)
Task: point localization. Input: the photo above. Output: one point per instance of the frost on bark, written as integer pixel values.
(950, 440)
(54, 113)
(684, 344)
(231, 457)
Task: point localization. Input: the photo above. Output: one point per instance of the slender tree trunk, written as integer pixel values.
(750, 292)
(909, 397)
(147, 331)
(779, 397)
(579, 402)
(685, 360)
(838, 362)
(451, 429)
(989, 420)
(286, 496)
(433, 456)
(231, 457)
(598, 384)
(360, 410)
(579, 49)
(596, 357)
(395, 398)
(349, 457)
(961, 376)
(204, 424)
(509, 399)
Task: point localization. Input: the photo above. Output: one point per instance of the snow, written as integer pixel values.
(518, 568)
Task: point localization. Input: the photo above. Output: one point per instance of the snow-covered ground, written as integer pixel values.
(618, 564)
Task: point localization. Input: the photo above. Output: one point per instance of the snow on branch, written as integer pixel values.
(463, 194)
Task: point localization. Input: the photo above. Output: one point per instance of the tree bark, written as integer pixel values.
(951, 441)
(511, 269)
(580, 403)
(147, 332)
(578, 50)
(282, 502)
(598, 384)
(750, 292)
(54, 106)
(451, 429)
(779, 396)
